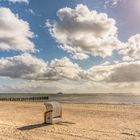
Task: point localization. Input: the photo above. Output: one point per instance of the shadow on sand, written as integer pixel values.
(34, 126)
(29, 127)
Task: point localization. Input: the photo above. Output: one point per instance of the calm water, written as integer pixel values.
(85, 98)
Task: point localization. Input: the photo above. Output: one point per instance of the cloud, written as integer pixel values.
(23, 66)
(31, 11)
(111, 3)
(98, 73)
(120, 73)
(30, 67)
(27, 66)
(64, 73)
(19, 1)
(126, 72)
(59, 69)
(131, 50)
(105, 63)
(23, 86)
(15, 33)
(81, 37)
(82, 32)
(64, 68)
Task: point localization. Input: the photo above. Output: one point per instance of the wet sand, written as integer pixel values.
(24, 121)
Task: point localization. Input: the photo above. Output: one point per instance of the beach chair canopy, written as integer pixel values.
(55, 109)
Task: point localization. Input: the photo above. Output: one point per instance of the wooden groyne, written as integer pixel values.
(24, 98)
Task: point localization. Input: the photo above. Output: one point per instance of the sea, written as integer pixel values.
(100, 98)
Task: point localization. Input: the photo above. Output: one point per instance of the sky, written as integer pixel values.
(70, 46)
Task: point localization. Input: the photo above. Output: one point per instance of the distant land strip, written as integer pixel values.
(25, 99)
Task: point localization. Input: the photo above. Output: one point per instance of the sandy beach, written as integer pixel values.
(24, 121)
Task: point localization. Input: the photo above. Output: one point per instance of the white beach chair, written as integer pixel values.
(53, 112)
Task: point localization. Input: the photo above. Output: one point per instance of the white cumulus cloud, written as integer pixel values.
(19, 1)
(29, 67)
(111, 3)
(67, 74)
(125, 72)
(64, 68)
(83, 32)
(131, 49)
(15, 33)
(23, 66)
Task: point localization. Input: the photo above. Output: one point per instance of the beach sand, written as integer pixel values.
(24, 121)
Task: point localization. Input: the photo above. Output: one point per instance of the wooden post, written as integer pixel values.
(45, 117)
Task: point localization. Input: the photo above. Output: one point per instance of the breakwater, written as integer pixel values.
(44, 98)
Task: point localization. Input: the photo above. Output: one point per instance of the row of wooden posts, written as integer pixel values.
(25, 99)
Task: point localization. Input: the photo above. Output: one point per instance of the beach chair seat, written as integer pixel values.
(53, 113)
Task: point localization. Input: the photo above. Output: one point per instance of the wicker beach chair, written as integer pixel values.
(53, 112)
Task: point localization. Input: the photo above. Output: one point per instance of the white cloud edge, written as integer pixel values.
(19, 1)
(15, 33)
